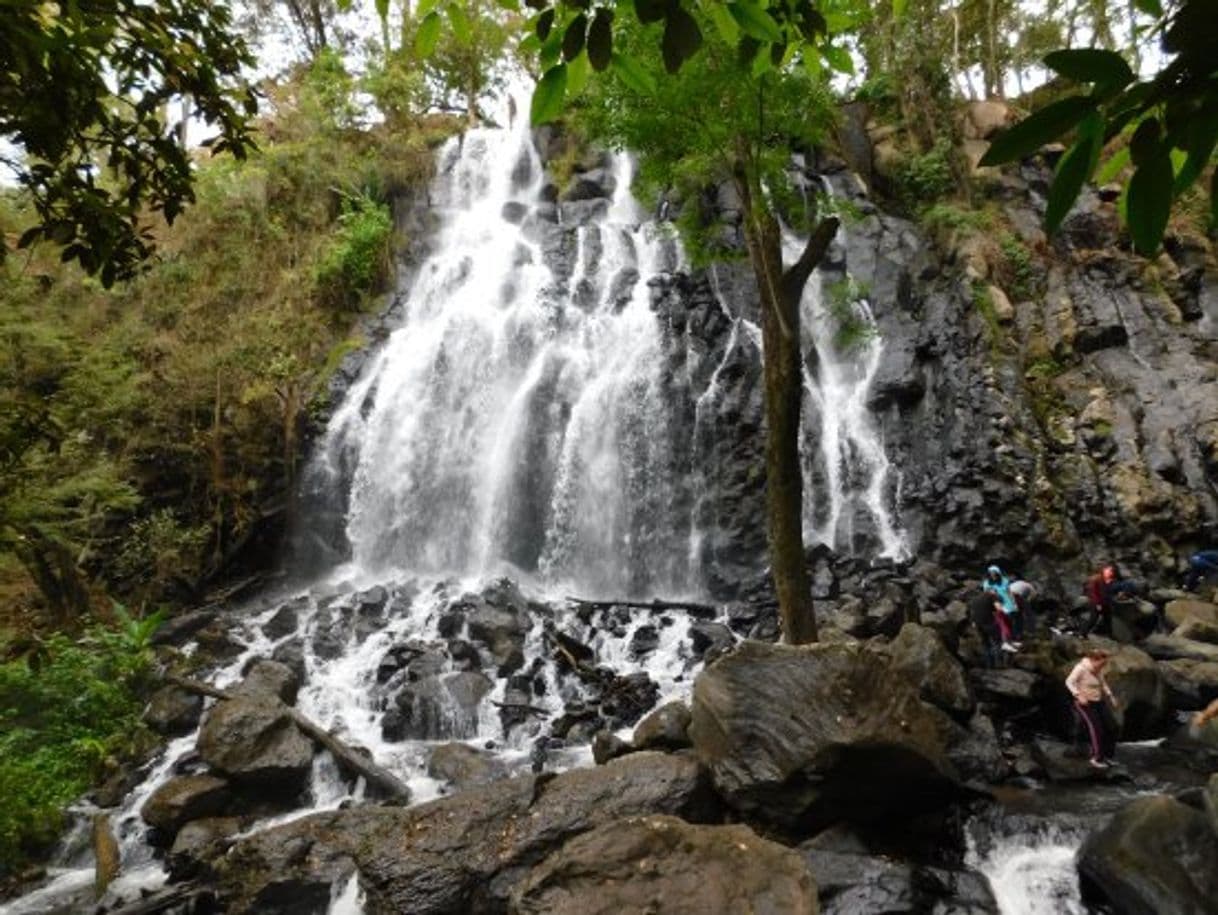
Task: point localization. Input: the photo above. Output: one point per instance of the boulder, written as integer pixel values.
(858, 882)
(1008, 685)
(172, 711)
(709, 639)
(1189, 684)
(661, 863)
(177, 629)
(197, 843)
(285, 620)
(1198, 631)
(1168, 647)
(463, 853)
(462, 765)
(182, 799)
(1135, 680)
(253, 740)
(1156, 856)
(436, 708)
(802, 735)
(667, 728)
(606, 746)
(271, 679)
(1178, 612)
(919, 653)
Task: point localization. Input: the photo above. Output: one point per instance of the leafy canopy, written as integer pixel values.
(83, 87)
(1172, 119)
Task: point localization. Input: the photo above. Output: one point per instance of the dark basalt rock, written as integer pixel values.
(667, 728)
(269, 678)
(172, 711)
(631, 864)
(254, 741)
(1155, 857)
(464, 853)
(800, 736)
(182, 799)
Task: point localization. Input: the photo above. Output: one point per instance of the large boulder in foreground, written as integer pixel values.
(1155, 857)
(805, 735)
(463, 853)
(182, 799)
(253, 740)
(663, 864)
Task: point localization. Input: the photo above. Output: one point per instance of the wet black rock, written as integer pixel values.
(269, 678)
(436, 708)
(172, 711)
(182, 799)
(667, 728)
(606, 746)
(645, 640)
(285, 620)
(464, 853)
(463, 766)
(1154, 856)
(178, 629)
(803, 735)
(709, 640)
(197, 843)
(254, 741)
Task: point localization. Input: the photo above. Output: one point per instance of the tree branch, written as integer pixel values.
(794, 278)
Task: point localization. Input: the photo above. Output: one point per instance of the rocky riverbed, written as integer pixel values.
(567, 757)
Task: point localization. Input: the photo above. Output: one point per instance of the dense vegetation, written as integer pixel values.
(69, 716)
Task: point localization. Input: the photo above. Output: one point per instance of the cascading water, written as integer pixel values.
(533, 413)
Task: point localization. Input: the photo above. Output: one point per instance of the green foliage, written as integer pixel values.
(68, 711)
(941, 218)
(851, 329)
(926, 177)
(1175, 113)
(98, 162)
(1019, 272)
(357, 260)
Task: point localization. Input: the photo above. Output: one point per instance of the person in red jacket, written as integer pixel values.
(1098, 590)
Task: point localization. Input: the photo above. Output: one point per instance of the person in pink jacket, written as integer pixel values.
(1089, 689)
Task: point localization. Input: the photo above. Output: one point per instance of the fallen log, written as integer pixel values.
(106, 857)
(522, 707)
(176, 898)
(702, 610)
(349, 760)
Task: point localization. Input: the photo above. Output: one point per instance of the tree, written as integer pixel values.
(1171, 120)
(726, 119)
(83, 88)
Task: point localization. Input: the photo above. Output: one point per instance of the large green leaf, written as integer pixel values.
(755, 21)
(649, 10)
(545, 22)
(898, 8)
(632, 75)
(600, 39)
(428, 34)
(1149, 202)
(1091, 65)
(382, 8)
(1149, 7)
(1035, 131)
(459, 20)
(549, 95)
(1113, 166)
(573, 38)
(1072, 170)
(1145, 143)
(1202, 137)
(577, 75)
(839, 59)
(682, 38)
(724, 23)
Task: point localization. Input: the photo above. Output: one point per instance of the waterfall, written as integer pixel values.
(522, 418)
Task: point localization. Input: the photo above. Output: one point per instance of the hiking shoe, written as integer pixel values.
(1007, 646)
(1098, 764)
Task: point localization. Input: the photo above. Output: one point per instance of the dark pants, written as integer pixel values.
(1098, 727)
(1099, 621)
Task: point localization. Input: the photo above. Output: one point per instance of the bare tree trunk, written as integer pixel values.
(782, 371)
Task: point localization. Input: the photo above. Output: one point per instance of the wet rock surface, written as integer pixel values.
(633, 865)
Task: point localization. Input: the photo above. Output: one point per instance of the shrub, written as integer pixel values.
(357, 260)
(926, 177)
(68, 711)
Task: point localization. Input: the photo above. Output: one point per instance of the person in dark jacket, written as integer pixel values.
(984, 610)
(1200, 567)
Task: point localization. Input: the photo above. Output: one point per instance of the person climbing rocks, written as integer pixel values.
(1102, 589)
(1024, 593)
(983, 610)
(1200, 567)
(1087, 685)
(1209, 713)
(1006, 617)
